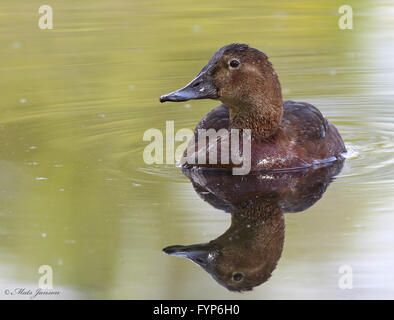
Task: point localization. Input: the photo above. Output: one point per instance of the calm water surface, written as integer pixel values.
(75, 101)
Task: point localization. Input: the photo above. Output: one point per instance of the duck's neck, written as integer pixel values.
(262, 116)
(255, 220)
(260, 110)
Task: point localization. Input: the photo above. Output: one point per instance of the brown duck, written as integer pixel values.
(246, 255)
(284, 134)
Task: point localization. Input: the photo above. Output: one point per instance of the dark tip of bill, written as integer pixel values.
(167, 250)
(172, 249)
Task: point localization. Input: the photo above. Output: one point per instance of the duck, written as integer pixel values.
(283, 134)
(247, 253)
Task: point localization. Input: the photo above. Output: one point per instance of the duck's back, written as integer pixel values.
(303, 121)
(303, 138)
(309, 136)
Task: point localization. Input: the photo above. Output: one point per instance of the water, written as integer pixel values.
(75, 193)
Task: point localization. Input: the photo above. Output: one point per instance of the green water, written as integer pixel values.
(75, 102)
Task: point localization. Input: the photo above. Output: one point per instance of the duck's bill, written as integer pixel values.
(201, 87)
(198, 253)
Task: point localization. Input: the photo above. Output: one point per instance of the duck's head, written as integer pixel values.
(246, 254)
(238, 75)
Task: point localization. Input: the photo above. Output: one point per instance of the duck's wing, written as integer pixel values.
(217, 119)
(303, 121)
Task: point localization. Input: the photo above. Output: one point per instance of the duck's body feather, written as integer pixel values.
(303, 138)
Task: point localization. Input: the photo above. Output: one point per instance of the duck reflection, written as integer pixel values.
(247, 253)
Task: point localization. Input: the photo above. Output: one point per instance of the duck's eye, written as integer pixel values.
(234, 63)
(238, 276)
